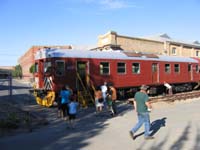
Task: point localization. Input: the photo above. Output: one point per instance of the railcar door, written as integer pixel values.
(190, 71)
(155, 73)
(81, 74)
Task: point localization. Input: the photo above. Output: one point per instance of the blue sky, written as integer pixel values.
(25, 23)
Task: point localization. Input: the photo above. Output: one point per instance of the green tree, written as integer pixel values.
(17, 72)
(32, 69)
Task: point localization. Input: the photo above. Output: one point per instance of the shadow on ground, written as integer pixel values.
(177, 145)
(56, 135)
(155, 127)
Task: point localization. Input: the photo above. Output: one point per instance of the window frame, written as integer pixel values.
(47, 66)
(103, 68)
(121, 67)
(36, 67)
(154, 67)
(174, 51)
(189, 67)
(197, 53)
(168, 69)
(197, 68)
(177, 70)
(63, 69)
(136, 69)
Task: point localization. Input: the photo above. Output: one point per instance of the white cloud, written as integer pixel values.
(115, 4)
(110, 4)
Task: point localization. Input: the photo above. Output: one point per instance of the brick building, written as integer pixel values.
(27, 60)
(160, 44)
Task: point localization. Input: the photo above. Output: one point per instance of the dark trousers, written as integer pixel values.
(65, 109)
(114, 107)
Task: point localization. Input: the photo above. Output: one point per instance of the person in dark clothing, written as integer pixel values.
(65, 95)
(58, 100)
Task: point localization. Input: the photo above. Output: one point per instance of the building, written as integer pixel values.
(160, 44)
(27, 60)
(6, 69)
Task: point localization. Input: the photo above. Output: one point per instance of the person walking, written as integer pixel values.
(113, 96)
(65, 94)
(142, 108)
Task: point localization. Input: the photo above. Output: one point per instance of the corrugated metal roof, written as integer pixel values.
(164, 37)
(106, 55)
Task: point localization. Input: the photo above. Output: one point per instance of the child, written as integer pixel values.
(98, 100)
(73, 106)
(109, 102)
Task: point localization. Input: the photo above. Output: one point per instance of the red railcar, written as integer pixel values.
(125, 70)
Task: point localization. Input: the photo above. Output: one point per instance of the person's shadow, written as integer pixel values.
(155, 126)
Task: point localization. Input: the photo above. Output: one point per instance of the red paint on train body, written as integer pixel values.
(55, 68)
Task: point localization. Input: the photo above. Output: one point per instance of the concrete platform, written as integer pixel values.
(175, 127)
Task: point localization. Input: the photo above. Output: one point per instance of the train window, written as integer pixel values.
(60, 67)
(104, 68)
(176, 68)
(189, 67)
(36, 67)
(154, 67)
(135, 68)
(121, 68)
(47, 67)
(197, 68)
(167, 68)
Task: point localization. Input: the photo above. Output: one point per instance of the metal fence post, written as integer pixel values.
(10, 84)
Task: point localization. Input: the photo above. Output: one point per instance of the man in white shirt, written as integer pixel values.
(104, 89)
(169, 88)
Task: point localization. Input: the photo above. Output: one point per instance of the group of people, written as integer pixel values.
(67, 105)
(105, 97)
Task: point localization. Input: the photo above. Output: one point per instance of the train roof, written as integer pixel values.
(116, 54)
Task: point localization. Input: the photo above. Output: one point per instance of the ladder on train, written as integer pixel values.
(85, 96)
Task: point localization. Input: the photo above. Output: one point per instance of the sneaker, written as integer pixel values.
(149, 137)
(132, 135)
(65, 118)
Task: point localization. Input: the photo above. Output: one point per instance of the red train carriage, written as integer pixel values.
(83, 70)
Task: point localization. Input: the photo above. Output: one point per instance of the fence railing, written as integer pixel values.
(6, 80)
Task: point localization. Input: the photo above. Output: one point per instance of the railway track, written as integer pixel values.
(175, 97)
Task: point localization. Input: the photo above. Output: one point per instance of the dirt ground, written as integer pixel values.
(19, 117)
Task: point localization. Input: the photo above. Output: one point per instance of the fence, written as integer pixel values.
(6, 82)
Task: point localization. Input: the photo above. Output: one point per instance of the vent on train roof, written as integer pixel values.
(133, 54)
(151, 56)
